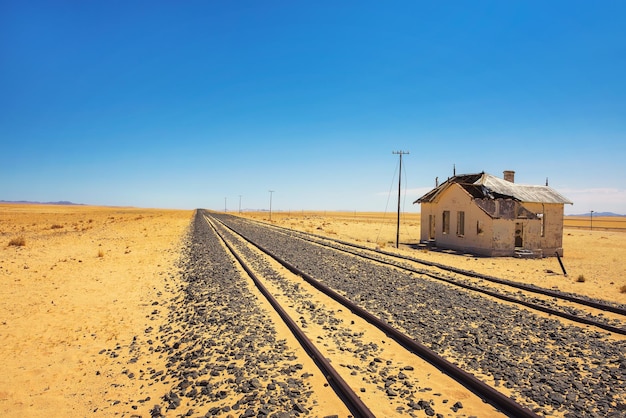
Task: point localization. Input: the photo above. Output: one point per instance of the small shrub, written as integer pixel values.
(17, 242)
(622, 289)
(56, 226)
(581, 279)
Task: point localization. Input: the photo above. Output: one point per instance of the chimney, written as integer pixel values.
(509, 175)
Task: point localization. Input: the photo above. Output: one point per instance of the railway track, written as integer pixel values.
(236, 244)
(556, 367)
(599, 314)
(344, 391)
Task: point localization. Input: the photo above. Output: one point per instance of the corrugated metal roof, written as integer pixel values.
(521, 192)
(485, 185)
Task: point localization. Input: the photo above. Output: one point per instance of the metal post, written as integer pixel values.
(591, 219)
(225, 205)
(240, 204)
(558, 257)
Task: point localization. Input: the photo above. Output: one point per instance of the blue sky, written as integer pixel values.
(193, 104)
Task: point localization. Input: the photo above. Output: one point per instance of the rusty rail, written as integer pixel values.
(341, 387)
(480, 388)
(529, 288)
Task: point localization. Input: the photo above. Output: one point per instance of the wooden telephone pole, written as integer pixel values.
(400, 153)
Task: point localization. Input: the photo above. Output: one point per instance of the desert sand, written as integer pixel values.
(88, 280)
(84, 282)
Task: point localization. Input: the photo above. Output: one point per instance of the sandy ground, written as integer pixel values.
(85, 281)
(88, 280)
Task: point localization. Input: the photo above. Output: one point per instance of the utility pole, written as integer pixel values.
(225, 205)
(240, 204)
(400, 153)
(271, 191)
(591, 219)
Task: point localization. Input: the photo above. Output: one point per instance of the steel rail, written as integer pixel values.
(511, 299)
(480, 388)
(340, 386)
(469, 273)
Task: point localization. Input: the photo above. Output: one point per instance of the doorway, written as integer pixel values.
(519, 235)
(431, 227)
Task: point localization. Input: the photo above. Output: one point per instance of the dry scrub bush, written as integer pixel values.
(100, 253)
(622, 289)
(581, 279)
(17, 242)
(56, 226)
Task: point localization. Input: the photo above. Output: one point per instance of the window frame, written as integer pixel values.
(445, 224)
(460, 223)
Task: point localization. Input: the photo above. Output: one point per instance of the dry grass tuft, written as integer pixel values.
(17, 242)
(56, 226)
(581, 279)
(100, 253)
(622, 289)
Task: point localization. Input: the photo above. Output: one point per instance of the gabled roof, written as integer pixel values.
(483, 185)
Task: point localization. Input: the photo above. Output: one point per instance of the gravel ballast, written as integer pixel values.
(547, 364)
(224, 355)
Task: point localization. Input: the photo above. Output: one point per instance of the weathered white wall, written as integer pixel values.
(493, 236)
(456, 199)
(552, 241)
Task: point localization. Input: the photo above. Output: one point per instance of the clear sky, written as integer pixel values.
(196, 103)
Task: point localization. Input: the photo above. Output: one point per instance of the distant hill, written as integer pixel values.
(28, 202)
(604, 214)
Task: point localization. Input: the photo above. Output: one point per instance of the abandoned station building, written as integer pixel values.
(486, 215)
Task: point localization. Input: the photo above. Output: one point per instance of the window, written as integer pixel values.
(460, 223)
(446, 222)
